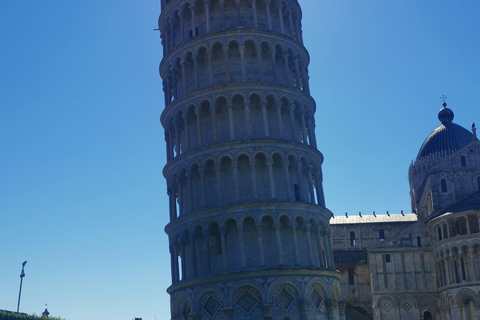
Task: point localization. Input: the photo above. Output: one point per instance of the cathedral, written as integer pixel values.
(249, 234)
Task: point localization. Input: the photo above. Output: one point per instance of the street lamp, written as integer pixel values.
(22, 274)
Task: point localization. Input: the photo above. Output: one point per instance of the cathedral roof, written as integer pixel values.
(446, 138)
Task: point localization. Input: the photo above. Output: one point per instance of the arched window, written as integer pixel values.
(444, 185)
(351, 276)
(352, 238)
(463, 161)
(478, 183)
(419, 241)
(427, 315)
(381, 234)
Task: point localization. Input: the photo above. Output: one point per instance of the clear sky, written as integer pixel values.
(82, 196)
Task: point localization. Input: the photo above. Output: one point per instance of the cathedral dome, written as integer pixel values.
(446, 138)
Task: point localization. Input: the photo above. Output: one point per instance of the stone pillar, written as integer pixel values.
(309, 244)
(207, 14)
(208, 266)
(238, 15)
(177, 138)
(295, 244)
(203, 187)
(187, 132)
(184, 81)
(254, 12)
(230, 121)
(241, 243)
(227, 66)
(184, 260)
(321, 253)
(193, 253)
(222, 13)
(195, 70)
(192, 11)
(279, 244)
(292, 123)
(247, 118)
(273, 53)
(265, 119)
(224, 248)
(279, 116)
(242, 62)
(328, 251)
(260, 246)
(199, 126)
(304, 127)
(288, 78)
(190, 191)
(218, 178)
(310, 185)
(210, 69)
(235, 179)
(297, 73)
(290, 22)
(260, 67)
(269, 15)
(304, 308)
(270, 176)
(254, 179)
(182, 31)
(280, 15)
(214, 122)
(287, 179)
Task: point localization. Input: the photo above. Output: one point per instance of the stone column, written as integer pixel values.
(203, 187)
(260, 246)
(199, 126)
(210, 68)
(184, 260)
(290, 22)
(242, 62)
(292, 123)
(230, 121)
(235, 179)
(309, 244)
(219, 194)
(288, 78)
(300, 180)
(214, 122)
(269, 15)
(207, 14)
(192, 11)
(279, 244)
(224, 248)
(195, 70)
(304, 127)
(321, 253)
(187, 132)
(175, 271)
(241, 244)
(247, 118)
(237, 12)
(227, 66)
(260, 67)
(180, 198)
(208, 266)
(182, 31)
(177, 138)
(254, 179)
(297, 73)
(265, 119)
(222, 13)
(193, 253)
(310, 185)
(184, 81)
(280, 15)
(287, 179)
(270, 175)
(190, 191)
(254, 12)
(279, 116)
(328, 250)
(295, 244)
(311, 132)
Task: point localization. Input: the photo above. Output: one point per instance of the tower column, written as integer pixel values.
(182, 32)
(207, 14)
(254, 12)
(230, 121)
(184, 82)
(237, 14)
(288, 79)
(265, 119)
(270, 176)
(328, 251)
(287, 179)
(304, 127)
(260, 67)
(260, 245)
(193, 253)
(309, 244)
(224, 248)
(311, 133)
(292, 123)
(190, 191)
(210, 69)
(279, 243)
(247, 118)
(201, 171)
(217, 175)
(280, 15)
(235, 178)
(290, 24)
(295, 244)
(254, 179)
(187, 132)
(222, 13)
(227, 66)
(297, 73)
(208, 265)
(241, 243)
(273, 53)
(321, 252)
(242, 62)
(214, 122)
(269, 15)
(182, 255)
(194, 27)
(195, 70)
(279, 116)
(199, 126)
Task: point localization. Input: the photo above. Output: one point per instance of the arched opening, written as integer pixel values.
(443, 183)
(463, 161)
(381, 234)
(419, 241)
(352, 239)
(427, 315)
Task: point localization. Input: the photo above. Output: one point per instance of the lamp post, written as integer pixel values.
(22, 274)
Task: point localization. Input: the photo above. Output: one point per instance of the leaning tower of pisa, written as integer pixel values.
(249, 232)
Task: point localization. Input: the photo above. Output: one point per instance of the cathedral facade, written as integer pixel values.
(249, 232)
(426, 264)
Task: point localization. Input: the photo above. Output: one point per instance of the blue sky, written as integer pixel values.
(82, 196)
